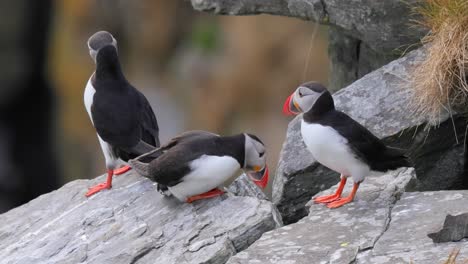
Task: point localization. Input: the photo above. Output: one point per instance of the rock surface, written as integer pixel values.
(381, 102)
(243, 186)
(383, 25)
(132, 223)
(413, 218)
(333, 236)
(351, 58)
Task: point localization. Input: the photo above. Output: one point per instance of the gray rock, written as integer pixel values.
(243, 186)
(455, 229)
(381, 102)
(414, 217)
(132, 223)
(333, 235)
(343, 53)
(351, 58)
(383, 25)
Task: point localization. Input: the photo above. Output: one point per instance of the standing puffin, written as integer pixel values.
(338, 142)
(124, 121)
(194, 164)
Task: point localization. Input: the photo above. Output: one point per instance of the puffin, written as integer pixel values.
(195, 164)
(125, 123)
(338, 142)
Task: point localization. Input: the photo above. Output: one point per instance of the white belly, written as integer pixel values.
(208, 172)
(331, 150)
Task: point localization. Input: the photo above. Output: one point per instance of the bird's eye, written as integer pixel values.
(261, 154)
(300, 94)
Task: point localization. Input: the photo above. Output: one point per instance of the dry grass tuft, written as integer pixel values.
(452, 258)
(440, 82)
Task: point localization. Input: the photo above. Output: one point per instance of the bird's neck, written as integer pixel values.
(108, 65)
(234, 147)
(323, 105)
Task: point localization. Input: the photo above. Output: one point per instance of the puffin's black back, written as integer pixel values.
(175, 157)
(121, 114)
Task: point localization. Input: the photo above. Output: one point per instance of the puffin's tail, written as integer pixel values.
(394, 159)
(141, 164)
(140, 167)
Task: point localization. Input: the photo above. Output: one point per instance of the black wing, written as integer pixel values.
(365, 145)
(148, 124)
(171, 161)
(124, 119)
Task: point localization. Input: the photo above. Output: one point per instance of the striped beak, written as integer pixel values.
(290, 107)
(260, 178)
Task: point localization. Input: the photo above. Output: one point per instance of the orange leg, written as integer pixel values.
(122, 170)
(332, 197)
(101, 186)
(343, 201)
(210, 194)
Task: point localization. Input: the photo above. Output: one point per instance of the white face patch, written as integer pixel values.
(305, 98)
(255, 158)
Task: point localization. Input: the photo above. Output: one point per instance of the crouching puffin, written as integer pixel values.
(124, 121)
(338, 142)
(194, 164)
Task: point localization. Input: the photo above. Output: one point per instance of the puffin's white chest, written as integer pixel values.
(331, 150)
(208, 172)
(88, 97)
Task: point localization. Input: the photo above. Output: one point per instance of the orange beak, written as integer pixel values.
(290, 106)
(260, 178)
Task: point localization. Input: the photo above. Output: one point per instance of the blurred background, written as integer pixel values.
(223, 74)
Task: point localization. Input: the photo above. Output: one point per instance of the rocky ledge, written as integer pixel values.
(415, 218)
(131, 223)
(384, 225)
(333, 235)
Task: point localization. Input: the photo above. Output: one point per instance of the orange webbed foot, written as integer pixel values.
(101, 186)
(326, 198)
(340, 202)
(122, 170)
(210, 194)
(98, 188)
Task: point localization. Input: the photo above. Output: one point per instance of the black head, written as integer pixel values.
(99, 40)
(304, 98)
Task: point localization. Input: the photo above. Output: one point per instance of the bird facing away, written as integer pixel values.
(124, 120)
(339, 142)
(193, 165)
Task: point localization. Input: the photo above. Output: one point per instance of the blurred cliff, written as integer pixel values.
(223, 74)
(28, 164)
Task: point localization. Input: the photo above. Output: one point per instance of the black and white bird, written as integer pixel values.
(124, 120)
(194, 164)
(338, 142)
